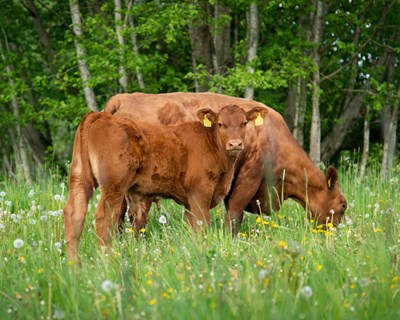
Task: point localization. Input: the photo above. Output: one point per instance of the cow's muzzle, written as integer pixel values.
(234, 146)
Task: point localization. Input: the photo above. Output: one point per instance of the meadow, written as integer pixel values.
(279, 267)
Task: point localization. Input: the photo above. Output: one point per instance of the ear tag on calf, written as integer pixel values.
(259, 120)
(329, 183)
(206, 122)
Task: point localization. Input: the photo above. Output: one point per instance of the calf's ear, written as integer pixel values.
(258, 114)
(207, 116)
(331, 177)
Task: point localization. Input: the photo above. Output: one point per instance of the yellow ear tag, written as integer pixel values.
(259, 120)
(329, 183)
(206, 122)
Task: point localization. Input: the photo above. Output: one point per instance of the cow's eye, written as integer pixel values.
(220, 124)
(243, 124)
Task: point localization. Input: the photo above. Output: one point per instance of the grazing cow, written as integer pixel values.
(192, 163)
(272, 168)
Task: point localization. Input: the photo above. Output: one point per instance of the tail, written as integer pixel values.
(81, 174)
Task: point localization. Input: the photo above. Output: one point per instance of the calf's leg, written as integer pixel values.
(108, 215)
(74, 218)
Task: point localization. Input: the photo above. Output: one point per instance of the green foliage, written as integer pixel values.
(170, 273)
(49, 89)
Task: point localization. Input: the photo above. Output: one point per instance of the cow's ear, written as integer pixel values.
(207, 116)
(258, 114)
(331, 177)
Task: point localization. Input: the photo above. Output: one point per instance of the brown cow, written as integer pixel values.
(191, 163)
(289, 173)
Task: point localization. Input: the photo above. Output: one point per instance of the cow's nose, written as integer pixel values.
(235, 144)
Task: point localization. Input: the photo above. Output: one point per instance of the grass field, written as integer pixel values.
(279, 267)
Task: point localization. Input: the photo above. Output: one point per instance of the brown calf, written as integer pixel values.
(191, 163)
(272, 164)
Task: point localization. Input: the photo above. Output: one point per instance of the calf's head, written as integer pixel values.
(328, 204)
(230, 123)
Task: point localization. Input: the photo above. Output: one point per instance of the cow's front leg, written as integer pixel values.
(243, 190)
(198, 213)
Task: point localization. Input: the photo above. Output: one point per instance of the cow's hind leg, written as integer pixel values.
(74, 218)
(108, 215)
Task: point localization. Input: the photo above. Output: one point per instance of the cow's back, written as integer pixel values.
(172, 108)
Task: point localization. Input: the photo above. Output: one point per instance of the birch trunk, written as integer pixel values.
(20, 146)
(315, 132)
(365, 149)
(81, 55)
(253, 31)
(135, 48)
(389, 145)
(123, 78)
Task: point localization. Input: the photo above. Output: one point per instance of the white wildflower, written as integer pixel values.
(306, 292)
(107, 285)
(162, 219)
(18, 243)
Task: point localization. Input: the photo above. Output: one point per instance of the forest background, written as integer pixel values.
(331, 68)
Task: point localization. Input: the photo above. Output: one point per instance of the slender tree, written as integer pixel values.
(81, 55)
(123, 78)
(252, 40)
(315, 132)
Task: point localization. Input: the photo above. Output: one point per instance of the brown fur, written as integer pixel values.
(189, 163)
(272, 165)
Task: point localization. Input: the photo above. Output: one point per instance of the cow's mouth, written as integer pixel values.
(234, 151)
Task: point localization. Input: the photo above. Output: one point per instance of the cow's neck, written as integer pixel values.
(299, 179)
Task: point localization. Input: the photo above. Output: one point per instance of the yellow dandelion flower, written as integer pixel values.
(280, 217)
(274, 225)
(395, 279)
(319, 267)
(70, 262)
(259, 263)
(309, 252)
(40, 270)
(265, 222)
(258, 220)
(152, 302)
(329, 225)
(244, 234)
(352, 286)
(21, 259)
(392, 286)
(283, 244)
(378, 230)
(143, 230)
(165, 295)
(149, 282)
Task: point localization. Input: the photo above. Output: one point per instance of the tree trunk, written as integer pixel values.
(315, 132)
(135, 47)
(365, 149)
(353, 99)
(389, 118)
(201, 41)
(81, 55)
(123, 79)
(221, 35)
(20, 146)
(44, 38)
(252, 37)
(297, 103)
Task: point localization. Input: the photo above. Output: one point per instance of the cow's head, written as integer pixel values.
(328, 204)
(230, 124)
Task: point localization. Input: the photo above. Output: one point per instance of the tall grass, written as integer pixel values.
(279, 267)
